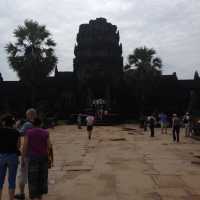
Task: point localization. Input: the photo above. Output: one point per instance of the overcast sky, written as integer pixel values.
(172, 28)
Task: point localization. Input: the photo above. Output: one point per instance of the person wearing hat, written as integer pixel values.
(176, 124)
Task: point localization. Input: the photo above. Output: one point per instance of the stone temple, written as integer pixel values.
(98, 75)
(98, 62)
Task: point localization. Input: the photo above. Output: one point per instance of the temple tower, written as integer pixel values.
(1, 78)
(98, 62)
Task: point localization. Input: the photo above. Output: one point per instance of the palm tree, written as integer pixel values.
(32, 55)
(146, 67)
(145, 63)
(196, 75)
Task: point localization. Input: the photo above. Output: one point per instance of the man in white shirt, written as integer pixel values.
(89, 123)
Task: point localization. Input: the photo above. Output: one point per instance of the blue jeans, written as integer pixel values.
(10, 162)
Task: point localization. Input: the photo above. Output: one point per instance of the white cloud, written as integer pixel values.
(170, 27)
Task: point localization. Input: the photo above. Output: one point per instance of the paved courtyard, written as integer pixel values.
(123, 163)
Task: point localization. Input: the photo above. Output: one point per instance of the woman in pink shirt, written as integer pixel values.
(36, 144)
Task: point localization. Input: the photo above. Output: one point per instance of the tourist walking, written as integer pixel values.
(152, 122)
(79, 120)
(90, 124)
(23, 167)
(145, 123)
(9, 152)
(187, 124)
(163, 122)
(35, 148)
(176, 124)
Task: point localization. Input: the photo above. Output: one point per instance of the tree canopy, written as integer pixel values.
(145, 63)
(32, 56)
(141, 74)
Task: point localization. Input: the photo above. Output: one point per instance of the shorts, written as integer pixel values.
(38, 177)
(23, 172)
(163, 124)
(89, 128)
(10, 162)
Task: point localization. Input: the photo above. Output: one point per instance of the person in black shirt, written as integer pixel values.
(152, 122)
(9, 151)
(176, 125)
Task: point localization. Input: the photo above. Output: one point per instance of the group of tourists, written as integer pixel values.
(26, 149)
(100, 109)
(26, 153)
(164, 121)
(151, 121)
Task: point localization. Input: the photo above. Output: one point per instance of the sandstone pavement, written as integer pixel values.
(122, 163)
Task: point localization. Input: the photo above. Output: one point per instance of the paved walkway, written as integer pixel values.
(123, 163)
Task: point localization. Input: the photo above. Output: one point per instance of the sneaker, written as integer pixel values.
(19, 196)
